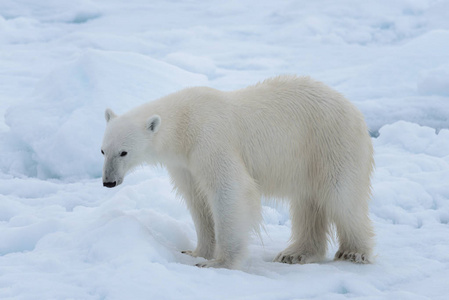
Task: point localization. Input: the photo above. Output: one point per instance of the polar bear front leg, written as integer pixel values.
(200, 211)
(231, 231)
(204, 225)
(233, 199)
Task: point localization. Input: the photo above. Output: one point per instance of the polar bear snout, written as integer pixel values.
(110, 184)
(111, 181)
(113, 172)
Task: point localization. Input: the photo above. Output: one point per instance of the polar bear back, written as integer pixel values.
(290, 130)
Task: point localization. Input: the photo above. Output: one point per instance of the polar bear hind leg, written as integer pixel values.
(354, 231)
(309, 233)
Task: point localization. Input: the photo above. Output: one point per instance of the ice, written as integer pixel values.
(64, 236)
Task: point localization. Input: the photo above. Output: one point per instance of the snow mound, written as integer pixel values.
(408, 191)
(414, 138)
(59, 130)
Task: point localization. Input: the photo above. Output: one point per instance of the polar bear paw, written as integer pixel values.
(198, 253)
(190, 252)
(287, 257)
(291, 259)
(214, 263)
(355, 257)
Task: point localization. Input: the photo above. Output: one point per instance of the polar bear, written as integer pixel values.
(289, 138)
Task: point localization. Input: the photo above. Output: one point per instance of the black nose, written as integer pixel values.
(109, 184)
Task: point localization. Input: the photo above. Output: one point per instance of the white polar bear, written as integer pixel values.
(288, 137)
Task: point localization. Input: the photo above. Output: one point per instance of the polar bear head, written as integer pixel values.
(126, 144)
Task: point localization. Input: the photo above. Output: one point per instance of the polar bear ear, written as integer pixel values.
(154, 123)
(109, 114)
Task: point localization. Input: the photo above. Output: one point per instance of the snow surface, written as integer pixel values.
(63, 236)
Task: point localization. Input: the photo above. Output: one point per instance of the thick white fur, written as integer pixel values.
(288, 137)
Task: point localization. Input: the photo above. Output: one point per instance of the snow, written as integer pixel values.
(64, 236)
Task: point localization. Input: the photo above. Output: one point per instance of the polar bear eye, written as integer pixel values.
(102, 152)
(123, 153)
